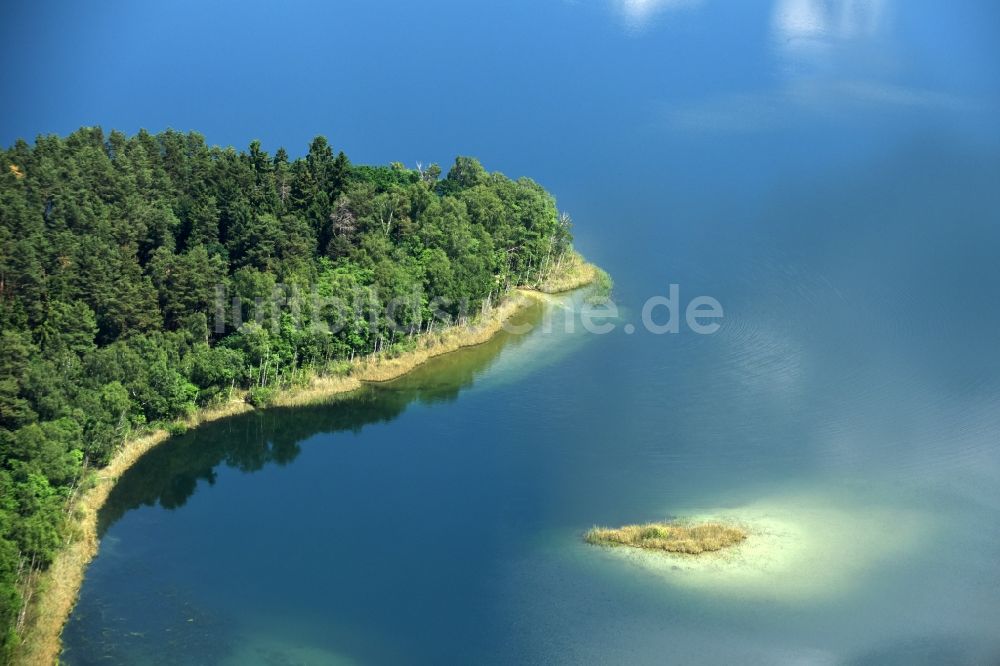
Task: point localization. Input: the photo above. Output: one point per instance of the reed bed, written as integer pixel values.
(673, 537)
(316, 390)
(571, 272)
(385, 368)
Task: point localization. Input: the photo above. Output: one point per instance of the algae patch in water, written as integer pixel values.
(674, 537)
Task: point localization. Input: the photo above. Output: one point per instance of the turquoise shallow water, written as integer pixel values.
(826, 170)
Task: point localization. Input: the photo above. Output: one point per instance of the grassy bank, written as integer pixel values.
(570, 272)
(390, 365)
(690, 539)
(56, 589)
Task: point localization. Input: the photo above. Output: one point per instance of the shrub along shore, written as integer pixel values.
(56, 589)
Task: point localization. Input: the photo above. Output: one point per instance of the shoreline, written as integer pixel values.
(58, 587)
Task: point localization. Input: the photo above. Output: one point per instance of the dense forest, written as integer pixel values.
(142, 277)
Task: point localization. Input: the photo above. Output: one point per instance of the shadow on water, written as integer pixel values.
(169, 474)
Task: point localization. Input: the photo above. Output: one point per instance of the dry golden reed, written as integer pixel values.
(690, 539)
(571, 272)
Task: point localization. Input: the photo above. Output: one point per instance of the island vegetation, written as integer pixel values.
(670, 537)
(149, 283)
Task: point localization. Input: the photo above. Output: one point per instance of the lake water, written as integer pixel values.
(829, 171)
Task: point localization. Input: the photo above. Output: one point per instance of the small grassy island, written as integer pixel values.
(690, 539)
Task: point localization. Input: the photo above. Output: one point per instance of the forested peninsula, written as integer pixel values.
(153, 280)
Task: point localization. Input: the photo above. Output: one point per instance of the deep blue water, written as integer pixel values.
(828, 170)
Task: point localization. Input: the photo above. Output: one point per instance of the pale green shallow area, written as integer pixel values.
(801, 547)
(269, 653)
